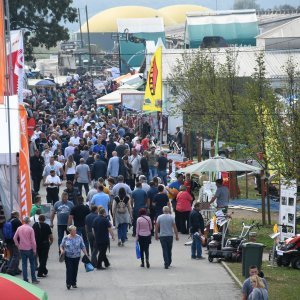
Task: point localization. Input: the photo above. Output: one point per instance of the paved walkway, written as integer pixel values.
(125, 279)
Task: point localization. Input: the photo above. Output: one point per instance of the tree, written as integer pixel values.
(245, 4)
(42, 20)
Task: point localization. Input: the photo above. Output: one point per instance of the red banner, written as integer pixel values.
(24, 167)
(17, 59)
(2, 54)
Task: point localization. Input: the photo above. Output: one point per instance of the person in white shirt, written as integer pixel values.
(75, 139)
(69, 150)
(52, 183)
(135, 161)
(53, 165)
(143, 181)
(46, 154)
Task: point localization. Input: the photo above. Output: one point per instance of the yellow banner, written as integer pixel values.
(153, 92)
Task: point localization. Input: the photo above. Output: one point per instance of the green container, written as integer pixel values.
(252, 255)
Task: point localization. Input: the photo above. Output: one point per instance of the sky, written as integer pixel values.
(95, 6)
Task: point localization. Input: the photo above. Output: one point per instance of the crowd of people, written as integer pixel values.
(100, 173)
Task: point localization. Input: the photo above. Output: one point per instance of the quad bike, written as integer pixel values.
(288, 252)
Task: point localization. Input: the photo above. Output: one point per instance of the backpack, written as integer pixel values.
(121, 207)
(7, 230)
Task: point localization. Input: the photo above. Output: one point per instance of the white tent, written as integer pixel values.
(116, 96)
(4, 154)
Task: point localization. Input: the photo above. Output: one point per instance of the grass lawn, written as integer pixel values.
(283, 282)
(236, 226)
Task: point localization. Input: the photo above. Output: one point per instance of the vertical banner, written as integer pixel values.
(17, 58)
(288, 209)
(153, 92)
(2, 54)
(24, 168)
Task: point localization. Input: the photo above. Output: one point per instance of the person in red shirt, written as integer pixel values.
(183, 208)
(145, 143)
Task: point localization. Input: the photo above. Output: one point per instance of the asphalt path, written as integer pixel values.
(125, 279)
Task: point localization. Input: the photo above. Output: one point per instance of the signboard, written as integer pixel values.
(287, 210)
(133, 101)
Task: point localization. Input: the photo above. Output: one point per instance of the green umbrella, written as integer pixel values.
(14, 288)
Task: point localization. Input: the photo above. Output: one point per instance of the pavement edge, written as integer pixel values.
(231, 273)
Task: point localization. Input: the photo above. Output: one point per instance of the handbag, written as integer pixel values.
(85, 259)
(62, 257)
(137, 250)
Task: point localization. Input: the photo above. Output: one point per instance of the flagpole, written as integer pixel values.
(9, 88)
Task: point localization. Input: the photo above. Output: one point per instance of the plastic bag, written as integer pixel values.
(88, 267)
(137, 250)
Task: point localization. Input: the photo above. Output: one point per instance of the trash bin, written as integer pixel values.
(252, 255)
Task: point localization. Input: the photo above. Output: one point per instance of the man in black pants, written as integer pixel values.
(77, 215)
(36, 169)
(44, 239)
(89, 220)
(101, 229)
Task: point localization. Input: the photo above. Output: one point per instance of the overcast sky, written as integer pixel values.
(95, 6)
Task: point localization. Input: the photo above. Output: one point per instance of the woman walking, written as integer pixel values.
(71, 246)
(70, 168)
(122, 214)
(183, 209)
(143, 235)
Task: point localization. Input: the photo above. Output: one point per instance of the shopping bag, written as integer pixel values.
(137, 250)
(88, 267)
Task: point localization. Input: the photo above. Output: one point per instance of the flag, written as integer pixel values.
(24, 168)
(17, 58)
(153, 92)
(2, 54)
(217, 141)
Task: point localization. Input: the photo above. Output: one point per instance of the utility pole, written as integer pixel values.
(81, 39)
(89, 41)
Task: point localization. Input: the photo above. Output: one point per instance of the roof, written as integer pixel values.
(106, 21)
(177, 13)
(289, 29)
(246, 60)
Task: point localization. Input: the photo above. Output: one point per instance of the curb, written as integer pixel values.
(231, 274)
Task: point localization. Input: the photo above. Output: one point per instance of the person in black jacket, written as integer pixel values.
(196, 230)
(145, 165)
(36, 169)
(99, 169)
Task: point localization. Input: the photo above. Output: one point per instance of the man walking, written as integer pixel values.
(13, 264)
(99, 168)
(113, 166)
(36, 170)
(52, 183)
(44, 239)
(77, 216)
(102, 199)
(139, 200)
(165, 225)
(62, 208)
(196, 230)
(25, 240)
(101, 229)
(89, 220)
(83, 176)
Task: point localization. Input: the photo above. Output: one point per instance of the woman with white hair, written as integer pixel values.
(71, 247)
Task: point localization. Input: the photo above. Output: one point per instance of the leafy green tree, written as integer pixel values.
(245, 4)
(42, 20)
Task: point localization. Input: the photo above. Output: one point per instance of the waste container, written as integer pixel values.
(252, 255)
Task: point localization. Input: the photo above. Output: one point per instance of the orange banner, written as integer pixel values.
(2, 54)
(24, 167)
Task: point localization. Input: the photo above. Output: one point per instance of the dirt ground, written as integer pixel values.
(250, 215)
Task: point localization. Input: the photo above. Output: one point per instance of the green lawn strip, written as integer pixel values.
(263, 233)
(283, 282)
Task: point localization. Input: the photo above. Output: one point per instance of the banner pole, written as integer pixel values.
(9, 88)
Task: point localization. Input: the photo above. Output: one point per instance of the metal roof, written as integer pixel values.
(246, 60)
